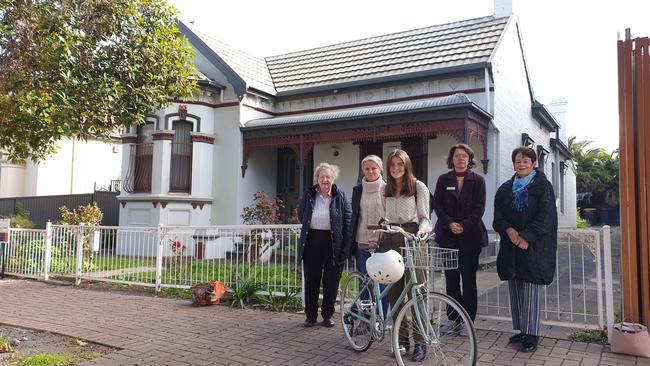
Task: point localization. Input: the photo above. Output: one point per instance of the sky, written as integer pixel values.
(570, 45)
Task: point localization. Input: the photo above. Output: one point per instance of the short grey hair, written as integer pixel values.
(375, 159)
(333, 168)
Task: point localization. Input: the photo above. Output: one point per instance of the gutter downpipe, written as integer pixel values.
(497, 147)
(486, 78)
(301, 165)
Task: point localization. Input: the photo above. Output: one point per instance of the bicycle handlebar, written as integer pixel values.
(384, 227)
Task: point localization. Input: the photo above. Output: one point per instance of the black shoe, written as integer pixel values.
(419, 353)
(309, 323)
(517, 338)
(529, 344)
(328, 322)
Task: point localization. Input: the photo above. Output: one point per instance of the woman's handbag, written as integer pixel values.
(631, 339)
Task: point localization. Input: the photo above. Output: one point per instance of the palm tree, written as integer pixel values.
(597, 171)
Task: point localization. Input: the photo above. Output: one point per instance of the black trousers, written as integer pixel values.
(318, 268)
(468, 298)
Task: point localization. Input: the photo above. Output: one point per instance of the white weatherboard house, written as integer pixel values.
(262, 124)
(76, 167)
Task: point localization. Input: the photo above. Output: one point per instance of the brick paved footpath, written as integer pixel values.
(157, 331)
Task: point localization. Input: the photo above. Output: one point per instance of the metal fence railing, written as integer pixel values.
(577, 293)
(183, 256)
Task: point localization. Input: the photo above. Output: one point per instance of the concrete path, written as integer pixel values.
(157, 331)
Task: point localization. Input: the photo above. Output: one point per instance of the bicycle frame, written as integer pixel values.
(411, 285)
(425, 315)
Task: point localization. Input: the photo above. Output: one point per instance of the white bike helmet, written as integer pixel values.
(385, 268)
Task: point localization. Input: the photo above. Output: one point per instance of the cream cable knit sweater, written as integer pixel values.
(371, 209)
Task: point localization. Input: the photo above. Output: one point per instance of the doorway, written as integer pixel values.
(288, 184)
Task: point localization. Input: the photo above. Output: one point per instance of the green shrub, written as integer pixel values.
(580, 222)
(46, 359)
(31, 257)
(244, 292)
(589, 336)
(21, 222)
(69, 357)
(20, 210)
(5, 346)
(281, 303)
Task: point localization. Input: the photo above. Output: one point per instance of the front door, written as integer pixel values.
(288, 182)
(417, 149)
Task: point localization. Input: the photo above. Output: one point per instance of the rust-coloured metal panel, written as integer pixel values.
(634, 114)
(636, 129)
(628, 237)
(643, 158)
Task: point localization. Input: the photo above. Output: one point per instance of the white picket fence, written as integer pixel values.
(183, 256)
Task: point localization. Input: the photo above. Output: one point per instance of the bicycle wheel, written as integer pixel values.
(456, 346)
(357, 311)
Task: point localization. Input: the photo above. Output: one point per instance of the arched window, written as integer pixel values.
(138, 177)
(180, 174)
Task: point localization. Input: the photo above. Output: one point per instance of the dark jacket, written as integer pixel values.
(356, 207)
(537, 224)
(340, 215)
(466, 208)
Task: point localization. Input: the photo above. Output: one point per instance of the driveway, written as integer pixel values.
(157, 331)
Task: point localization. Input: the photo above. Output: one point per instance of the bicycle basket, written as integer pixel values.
(428, 257)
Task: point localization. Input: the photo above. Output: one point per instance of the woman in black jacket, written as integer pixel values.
(459, 202)
(526, 219)
(324, 243)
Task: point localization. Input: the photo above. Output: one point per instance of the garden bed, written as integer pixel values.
(35, 347)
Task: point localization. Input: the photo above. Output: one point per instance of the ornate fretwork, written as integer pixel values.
(479, 132)
(452, 127)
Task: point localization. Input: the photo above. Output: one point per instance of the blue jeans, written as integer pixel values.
(361, 258)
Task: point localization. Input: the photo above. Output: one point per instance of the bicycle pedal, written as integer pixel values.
(365, 305)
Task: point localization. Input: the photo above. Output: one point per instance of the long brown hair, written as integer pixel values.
(408, 185)
(468, 150)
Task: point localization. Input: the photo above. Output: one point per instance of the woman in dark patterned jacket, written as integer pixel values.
(526, 218)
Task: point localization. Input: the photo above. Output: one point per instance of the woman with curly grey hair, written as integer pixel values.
(324, 243)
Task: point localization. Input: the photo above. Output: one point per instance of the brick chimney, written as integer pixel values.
(503, 8)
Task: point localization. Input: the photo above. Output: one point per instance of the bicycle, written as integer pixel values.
(424, 314)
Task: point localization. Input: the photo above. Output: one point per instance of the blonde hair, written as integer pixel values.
(333, 168)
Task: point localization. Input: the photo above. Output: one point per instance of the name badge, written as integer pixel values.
(451, 188)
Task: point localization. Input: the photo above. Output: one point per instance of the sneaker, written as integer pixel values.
(450, 327)
(463, 330)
